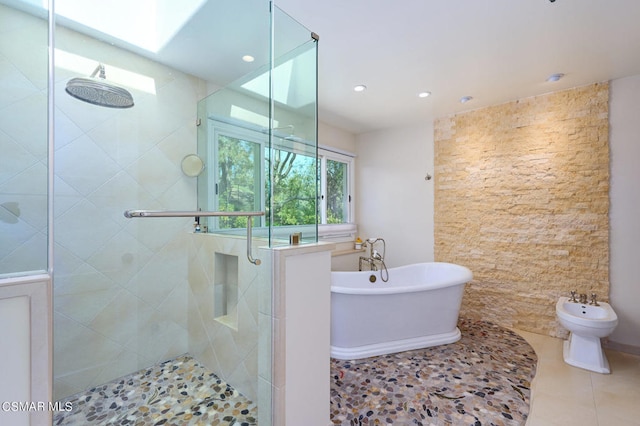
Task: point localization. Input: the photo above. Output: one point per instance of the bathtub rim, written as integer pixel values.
(465, 276)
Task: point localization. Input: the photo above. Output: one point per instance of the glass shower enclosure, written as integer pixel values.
(176, 296)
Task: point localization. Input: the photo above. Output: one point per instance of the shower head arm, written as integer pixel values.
(99, 68)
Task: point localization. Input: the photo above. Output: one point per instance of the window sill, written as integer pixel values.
(346, 252)
(337, 230)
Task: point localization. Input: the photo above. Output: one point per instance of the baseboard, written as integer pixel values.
(621, 347)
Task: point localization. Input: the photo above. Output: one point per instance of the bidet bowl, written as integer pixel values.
(586, 320)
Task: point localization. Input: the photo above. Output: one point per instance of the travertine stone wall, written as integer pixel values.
(522, 199)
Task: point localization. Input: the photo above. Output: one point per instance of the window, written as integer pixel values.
(336, 192)
(235, 180)
(240, 178)
(237, 187)
(294, 188)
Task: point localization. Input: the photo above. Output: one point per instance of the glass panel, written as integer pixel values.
(232, 134)
(293, 184)
(337, 192)
(285, 125)
(121, 290)
(23, 142)
(133, 294)
(233, 148)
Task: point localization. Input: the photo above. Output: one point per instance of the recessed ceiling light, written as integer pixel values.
(465, 99)
(424, 94)
(360, 88)
(555, 77)
(248, 58)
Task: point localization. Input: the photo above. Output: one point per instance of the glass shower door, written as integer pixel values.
(135, 298)
(23, 143)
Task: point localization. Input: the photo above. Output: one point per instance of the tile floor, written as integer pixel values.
(563, 395)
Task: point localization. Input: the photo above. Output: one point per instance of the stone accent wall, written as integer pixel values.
(522, 199)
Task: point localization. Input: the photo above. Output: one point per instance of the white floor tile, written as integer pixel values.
(563, 395)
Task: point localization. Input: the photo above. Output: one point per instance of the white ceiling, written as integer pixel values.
(493, 50)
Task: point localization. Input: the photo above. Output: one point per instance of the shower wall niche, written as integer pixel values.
(225, 290)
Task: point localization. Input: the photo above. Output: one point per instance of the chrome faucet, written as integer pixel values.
(375, 257)
(370, 261)
(583, 298)
(573, 296)
(594, 300)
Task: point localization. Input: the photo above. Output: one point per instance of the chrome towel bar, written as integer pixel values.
(178, 213)
(130, 214)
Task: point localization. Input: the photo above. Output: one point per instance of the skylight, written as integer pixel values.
(293, 81)
(148, 24)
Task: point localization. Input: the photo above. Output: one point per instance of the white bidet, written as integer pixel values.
(587, 324)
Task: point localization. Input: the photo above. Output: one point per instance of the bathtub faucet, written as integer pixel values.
(375, 258)
(369, 260)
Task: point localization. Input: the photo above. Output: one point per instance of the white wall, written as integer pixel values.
(394, 200)
(302, 324)
(335, 137)
(25, 349)
(624, 131)
(14, 320)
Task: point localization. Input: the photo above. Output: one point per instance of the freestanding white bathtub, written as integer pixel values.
(418, 307)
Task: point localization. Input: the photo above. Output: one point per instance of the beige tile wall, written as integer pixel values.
(521, 198)
(235, 348)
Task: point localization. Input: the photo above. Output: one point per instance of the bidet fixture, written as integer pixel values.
(587, 324)
(594, 300)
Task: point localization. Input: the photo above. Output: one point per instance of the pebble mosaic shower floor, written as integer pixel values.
(483, 379)
(176, 392)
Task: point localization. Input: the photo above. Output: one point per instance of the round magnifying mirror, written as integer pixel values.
(192, 165)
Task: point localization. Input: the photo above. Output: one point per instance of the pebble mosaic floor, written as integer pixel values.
(176, 392)
(483, 379)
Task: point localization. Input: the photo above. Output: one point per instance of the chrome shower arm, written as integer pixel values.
(100, 69)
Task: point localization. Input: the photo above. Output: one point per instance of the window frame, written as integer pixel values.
(324, 153)
(348, 228)
(217, 128)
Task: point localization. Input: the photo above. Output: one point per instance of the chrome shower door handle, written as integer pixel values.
(130, 214)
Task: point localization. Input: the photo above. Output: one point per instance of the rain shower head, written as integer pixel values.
(97, 91)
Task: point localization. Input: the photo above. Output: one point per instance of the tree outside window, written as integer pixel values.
(242, 183)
